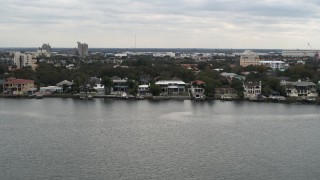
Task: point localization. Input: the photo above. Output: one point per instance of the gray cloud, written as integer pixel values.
(160, 23)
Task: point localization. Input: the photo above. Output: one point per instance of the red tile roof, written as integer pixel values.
(19, 81)
(198, 82)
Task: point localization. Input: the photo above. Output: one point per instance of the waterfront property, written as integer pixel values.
(51, 89)
(197, 90)
(225, 92)
(119, 85)
(18, 86)
(99, 88)
(251, 89)
(300, 89)
(172, 87)
(143, 89)
(66, 85)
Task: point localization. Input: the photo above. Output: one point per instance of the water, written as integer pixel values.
(114, 139)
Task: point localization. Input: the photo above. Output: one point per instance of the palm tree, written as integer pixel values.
(107, 83)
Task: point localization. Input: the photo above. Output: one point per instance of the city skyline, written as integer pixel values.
(266, 24)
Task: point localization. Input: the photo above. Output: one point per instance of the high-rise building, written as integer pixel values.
(83, 49)
(46, 47)
(16, 59)
(22, 60)
(249, 58)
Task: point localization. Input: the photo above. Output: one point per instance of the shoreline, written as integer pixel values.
(289, 100)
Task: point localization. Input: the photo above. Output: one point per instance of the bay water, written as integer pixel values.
(56, 138)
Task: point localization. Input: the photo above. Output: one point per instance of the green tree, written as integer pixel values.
(79, 79)
(24, 73)
(318, 89)
(209, 90)
(132, 87)
(238, 86)
(155, 89)
(2, 69)
(186, 75)
(107, 83)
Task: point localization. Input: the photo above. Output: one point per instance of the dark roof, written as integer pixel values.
(252, 83)
(302, 83)
(65, 82)
(115, 78)
(283, 78)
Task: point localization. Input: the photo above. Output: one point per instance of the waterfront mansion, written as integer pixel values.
(172, 87)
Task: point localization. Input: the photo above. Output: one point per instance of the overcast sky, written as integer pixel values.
(288, 24)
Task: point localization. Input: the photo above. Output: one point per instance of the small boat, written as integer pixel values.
(90, 97)
(86, 97)
(139, 97)
(226, 98)
(124, 96)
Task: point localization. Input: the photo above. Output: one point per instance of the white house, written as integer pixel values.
(51, 89)
(197, 90)
(119, 85)
(172, 87)
(143, 89)
(99, 88)
(300, 89)
(251, 89)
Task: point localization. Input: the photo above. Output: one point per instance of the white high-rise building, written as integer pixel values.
(22, 60)
(83, 49)
(16, 59)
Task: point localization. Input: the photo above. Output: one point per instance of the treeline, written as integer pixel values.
(168, 68)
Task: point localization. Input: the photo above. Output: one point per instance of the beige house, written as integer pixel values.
(18, 85)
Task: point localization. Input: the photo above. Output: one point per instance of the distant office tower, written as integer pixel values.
(46, 47)
(82, 49)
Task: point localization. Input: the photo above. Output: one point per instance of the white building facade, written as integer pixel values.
(172, 87)
(280, 65)
(252, 89)
(21, 60)
(143, 89)
(300, 89)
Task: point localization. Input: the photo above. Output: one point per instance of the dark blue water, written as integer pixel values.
(110, 139)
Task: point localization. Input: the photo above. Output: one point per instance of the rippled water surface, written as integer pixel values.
(114, 139)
